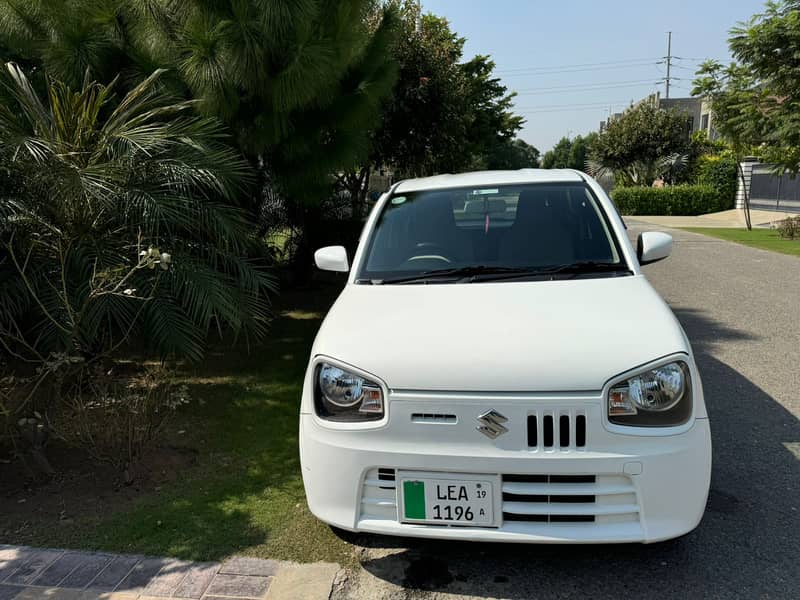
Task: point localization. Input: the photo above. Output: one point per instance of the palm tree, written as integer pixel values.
(640, 172)
(119, 217)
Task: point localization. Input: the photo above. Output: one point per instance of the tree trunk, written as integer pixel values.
(746, 194)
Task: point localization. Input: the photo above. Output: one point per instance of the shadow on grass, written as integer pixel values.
(245, 493)
(746, 545)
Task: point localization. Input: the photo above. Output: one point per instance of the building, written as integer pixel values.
(697, 109)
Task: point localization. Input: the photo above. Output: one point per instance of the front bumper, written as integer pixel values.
(637, 488)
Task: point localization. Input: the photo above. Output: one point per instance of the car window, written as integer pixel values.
(533, 225)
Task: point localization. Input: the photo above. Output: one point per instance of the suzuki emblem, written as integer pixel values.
(491, 424)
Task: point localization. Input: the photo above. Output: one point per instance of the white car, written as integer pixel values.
(498, 368)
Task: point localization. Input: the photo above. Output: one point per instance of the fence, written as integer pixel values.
(769, 191)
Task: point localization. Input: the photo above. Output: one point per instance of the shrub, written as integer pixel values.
(719, 172)
(789, 228)
(116, 416)
(96, 186)
(672, 200)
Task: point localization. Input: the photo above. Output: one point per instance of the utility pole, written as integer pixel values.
(668, 57)
(419, 16)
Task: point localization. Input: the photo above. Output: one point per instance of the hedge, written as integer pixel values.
(672, 200)
(720, 172)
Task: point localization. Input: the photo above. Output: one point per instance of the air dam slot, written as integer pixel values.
(433, 418)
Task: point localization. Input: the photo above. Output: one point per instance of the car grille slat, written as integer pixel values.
(569, 498)
(561, 430)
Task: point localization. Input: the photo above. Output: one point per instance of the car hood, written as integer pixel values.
(534, 336)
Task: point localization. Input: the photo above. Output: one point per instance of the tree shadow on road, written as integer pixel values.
(746, 546)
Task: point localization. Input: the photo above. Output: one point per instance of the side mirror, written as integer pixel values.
(374, 196)
(653, 246)
(332, 258)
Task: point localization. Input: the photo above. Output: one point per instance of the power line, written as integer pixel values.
(600, 107)
(551, 67)
(580, 70)
(567, 106)
(584, 87)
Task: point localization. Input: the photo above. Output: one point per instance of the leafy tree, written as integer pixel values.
(443, 115)
(511, 154)
(756, 100)
(491, 120)
(558, 157)
(119, 217)
(579, 152)
(570, 153)
(643, 135)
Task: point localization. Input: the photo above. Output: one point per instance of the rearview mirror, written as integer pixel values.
(332, 258)
(653, 246)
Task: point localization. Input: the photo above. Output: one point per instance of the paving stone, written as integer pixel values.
(8, 592)
(62, 567)
(110, 577)
(33, 566)
(87, 571)
(197, 580)
(239, 586)
(247, 565)
(13, 560)
(168, 578)
(141, 575)
(304, 582)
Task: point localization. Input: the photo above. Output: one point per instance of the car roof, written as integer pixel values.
(482, 178)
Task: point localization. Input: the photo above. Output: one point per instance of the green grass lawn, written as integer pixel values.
(244, 492)
(766, 239)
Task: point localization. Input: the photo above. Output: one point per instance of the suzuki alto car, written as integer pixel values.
(498, 368)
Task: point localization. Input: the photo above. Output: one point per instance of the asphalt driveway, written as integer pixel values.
(741, 309)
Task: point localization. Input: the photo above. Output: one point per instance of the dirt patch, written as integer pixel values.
(80, 488)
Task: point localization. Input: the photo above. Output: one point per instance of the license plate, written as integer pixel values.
(447, 501)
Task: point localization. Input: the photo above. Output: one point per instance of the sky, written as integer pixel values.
(572, 60)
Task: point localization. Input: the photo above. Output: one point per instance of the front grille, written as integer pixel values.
(549, 499)
(569, 498)
(557, 430)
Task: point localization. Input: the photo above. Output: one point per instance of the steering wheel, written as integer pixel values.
(432, 251)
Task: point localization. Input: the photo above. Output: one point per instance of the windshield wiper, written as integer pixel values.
(577, 268)
(487, 273)
(454, 273)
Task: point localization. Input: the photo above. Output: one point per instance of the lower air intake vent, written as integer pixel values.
(569, 498)
(379, 496)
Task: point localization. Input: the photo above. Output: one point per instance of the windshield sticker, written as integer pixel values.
(398, 199)
(485, 192)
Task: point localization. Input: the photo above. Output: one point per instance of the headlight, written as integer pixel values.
(344, 396)
(660, 397)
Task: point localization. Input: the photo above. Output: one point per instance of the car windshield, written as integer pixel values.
(510, 230)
